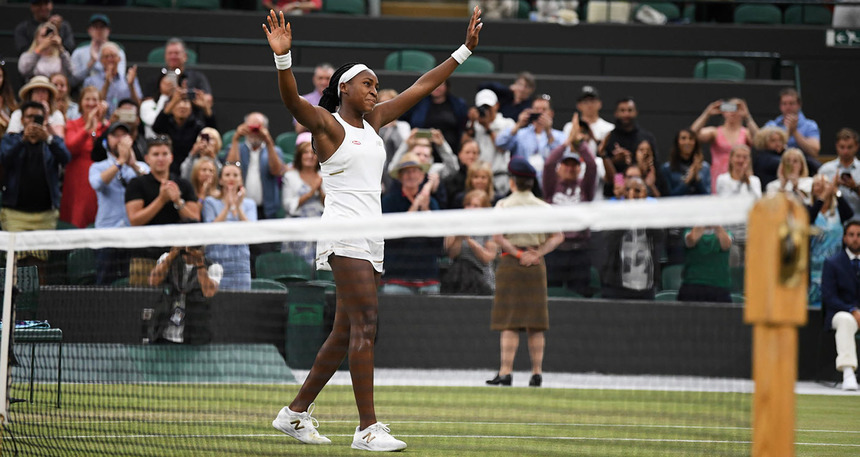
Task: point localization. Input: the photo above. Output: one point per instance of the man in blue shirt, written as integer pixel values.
(533, 137)
(109, 179)
(85, 59)
(113, 84)
(803, 132)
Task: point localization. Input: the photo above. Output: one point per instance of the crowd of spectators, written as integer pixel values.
(86, 143)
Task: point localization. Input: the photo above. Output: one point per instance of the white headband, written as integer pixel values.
(349, 74)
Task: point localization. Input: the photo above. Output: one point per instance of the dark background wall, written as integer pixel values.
(243, 77)
(618, 337)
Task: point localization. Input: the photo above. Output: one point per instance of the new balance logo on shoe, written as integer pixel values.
(368, 438)
(297, 424)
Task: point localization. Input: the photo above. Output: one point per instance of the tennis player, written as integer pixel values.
(345, 129)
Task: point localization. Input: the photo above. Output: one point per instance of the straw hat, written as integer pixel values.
(407, 161)
(35, 83)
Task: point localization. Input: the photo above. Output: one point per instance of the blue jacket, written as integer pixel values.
(840, 288)
(271, 183)
(417, 116)
(11, 156)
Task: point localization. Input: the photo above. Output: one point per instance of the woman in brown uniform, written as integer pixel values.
(520, 301)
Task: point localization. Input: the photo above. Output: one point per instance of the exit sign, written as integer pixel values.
(843, 38)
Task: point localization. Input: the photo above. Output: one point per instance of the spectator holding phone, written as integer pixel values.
(46, 54)
(182, 123)
(42, 12)
(32, 161)
(151, 106)
(208, 144)
(847, 167)
(230, 206)
(728, 135)
(114, 86)
(261, 161)
(175, 61)
(485, 124)
(533, 137)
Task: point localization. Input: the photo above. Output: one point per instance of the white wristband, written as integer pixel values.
(461, 54)
(283, 62)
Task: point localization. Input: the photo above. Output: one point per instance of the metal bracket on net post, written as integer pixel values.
(8, 329)
(776, 297)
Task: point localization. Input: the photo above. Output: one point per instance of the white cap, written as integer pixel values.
(486, 97)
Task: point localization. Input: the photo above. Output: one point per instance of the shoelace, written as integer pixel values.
(381, 426)
(314, 422)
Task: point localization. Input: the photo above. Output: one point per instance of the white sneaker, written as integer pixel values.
(377, 437)
(300, 426)
(849, 380)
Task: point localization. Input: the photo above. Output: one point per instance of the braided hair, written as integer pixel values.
(330, 99)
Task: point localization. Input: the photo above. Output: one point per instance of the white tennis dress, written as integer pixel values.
(352, 181)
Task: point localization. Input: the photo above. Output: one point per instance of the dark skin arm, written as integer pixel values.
(328, 133)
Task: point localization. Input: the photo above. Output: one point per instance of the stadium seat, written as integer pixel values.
(153, 3)
(689, 12)
(284, 267)
(267, 284)
(561, 292)
(808, 14)
(410, 60)
(737, 298)
(476, 64)
(287, 142)
(524, 9)
(63, 225)
(198, 4)
(156, 56)
(670, 10)
(720, 69)
(226, 139)
(27, 298)
(666, 295)
(344, 6)
(81, 267)
(758, 14)
(737, 274)
(672, 277)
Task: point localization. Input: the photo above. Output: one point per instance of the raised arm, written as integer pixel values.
(280, 36)
(392, 109)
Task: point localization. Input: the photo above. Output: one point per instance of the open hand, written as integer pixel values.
(472, 31)
(280, 34)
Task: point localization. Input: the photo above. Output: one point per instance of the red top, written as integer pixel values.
(78, 204)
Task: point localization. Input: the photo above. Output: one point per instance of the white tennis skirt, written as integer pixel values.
(372, 250)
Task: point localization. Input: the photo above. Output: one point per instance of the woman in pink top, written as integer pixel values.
(728, 135)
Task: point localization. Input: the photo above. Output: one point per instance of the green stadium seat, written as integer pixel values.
(561, 292)
(670, 10)
(284, 267)
(673, 276)
(198, 4)
(737, 274)
(153, 3)
(808, 14)
(81, 267)
(758, 14)
(324, 275)
(666, 295)
(287, 142)
(410, 60)
(27, 299)
(63, 225)
(524, 9)
(720, 69)
(226, 139)
(737, 298)
(156, 56)
(344, 6)
(689, 12)
(267, 284)
(476, 64)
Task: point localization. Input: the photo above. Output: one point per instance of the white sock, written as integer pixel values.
(847, 373)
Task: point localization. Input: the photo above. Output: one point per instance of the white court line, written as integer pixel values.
(510, 437)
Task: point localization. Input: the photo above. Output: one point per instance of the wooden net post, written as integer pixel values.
(777, 259)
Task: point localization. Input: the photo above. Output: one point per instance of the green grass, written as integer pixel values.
(216, 419)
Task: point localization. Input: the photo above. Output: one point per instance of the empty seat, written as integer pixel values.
(410, 60)
(344, 6)
(476, 64)
(808, 14)
(758, 14)
(287, 142)
(722, 69)
(284, 267)
(198, 4)
(670, 10)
